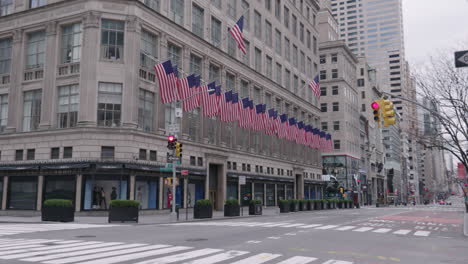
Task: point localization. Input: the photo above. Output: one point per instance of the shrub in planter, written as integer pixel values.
(351, 205)
(294, 205)
(310, 205)
(231, 207)
(123, 211)
(316, 204)
(339, 203)
(58, 210)
(255, 207)
(303, 205)
(284, 206)
(203, 209)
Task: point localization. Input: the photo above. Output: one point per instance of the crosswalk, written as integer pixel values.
(358, 229)
(14, 229)
(98, 252)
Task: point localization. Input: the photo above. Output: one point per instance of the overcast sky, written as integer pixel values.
(434, 25)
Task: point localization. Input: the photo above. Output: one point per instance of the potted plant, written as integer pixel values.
(58, 210)
(284, 206)
(340, 204)
(294, 205)
(310, 205)
(351, 204)
(203, 209)
(303, 205)
(316, 204)
(231, 207)
(255, 207)
(123, 210)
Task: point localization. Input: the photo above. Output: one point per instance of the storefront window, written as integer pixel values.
(289, 192)
(270, 193)
(312, 192)
(280, 192)
(23, 193)
(1, 190)
(259, 190)
(59, 187)
(231, 190)
(168, 196)
(146, 192)
(246, 193)
(195, 191)
(306, 191)
(99, 190)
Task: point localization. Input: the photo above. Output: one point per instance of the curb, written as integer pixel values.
(465, 226)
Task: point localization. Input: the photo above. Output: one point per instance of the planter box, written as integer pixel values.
(317, 206)
(284, 208)
(310, 206)
(294, 207)
(123, 214)
(58, 214)
(302, 206)
(255, 209)
(340, 205)
(203, 211)
(231, 210)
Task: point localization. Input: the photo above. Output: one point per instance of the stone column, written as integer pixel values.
(88, 78)
(300, 187)
(79, 183)
(207, 181)
(15, 106)
(253, 191)
(185, 192)
(161, 108)
(161, 193)
(132, 187)
(264, 194)
(222, 186)
(40, 185)
(4, 193)
(49, 91)
(276, 195)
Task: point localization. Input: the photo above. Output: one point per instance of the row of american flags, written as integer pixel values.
(229, 107)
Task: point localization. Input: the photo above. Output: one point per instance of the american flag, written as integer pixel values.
(235, 107)
(271, 122)
(292, 133)
(300, 133)
(225, 107)
(244, 113)
(167, 81)
(315, 86)
(194, 101)
(183, 86)
(283, 126)
(236, 32)
(210, 101)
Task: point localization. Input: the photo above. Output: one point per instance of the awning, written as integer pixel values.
(109, 166)
(65, 166)
(19, 168)
(260, 177)
(142, 167)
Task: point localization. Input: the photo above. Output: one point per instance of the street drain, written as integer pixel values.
(85, 236)
(195, 239)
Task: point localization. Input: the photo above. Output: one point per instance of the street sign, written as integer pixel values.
(461, 59)
(178, 112)
(242, 180)
(184, 172)
(173, 129)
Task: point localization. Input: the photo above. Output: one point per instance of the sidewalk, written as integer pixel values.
(161, 218)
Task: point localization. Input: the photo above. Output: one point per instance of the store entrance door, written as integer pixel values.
(213, 174)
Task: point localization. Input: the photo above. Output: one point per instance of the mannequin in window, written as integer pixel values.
(139, 196)
(114, 194)
(103, 198)
(169, 199)
(95, 198)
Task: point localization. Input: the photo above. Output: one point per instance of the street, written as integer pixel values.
(421, 234)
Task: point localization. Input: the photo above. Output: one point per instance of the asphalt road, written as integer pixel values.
(426, 235)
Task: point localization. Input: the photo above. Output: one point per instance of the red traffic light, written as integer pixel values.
(171, 138)
(375, 105)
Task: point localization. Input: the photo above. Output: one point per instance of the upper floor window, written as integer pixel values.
(198, 15)
(278, 42)
(174, 54)
(195, 64)
(323, 75)
(323, 59)
(68, 103)
(215, 31)
(323, 91)
(112, 39)
(286, 17)
(232, 45)
(71, 43)
(294, 25)
(301, 32)
(336, 107)
(336, 144)
(6, 7)
(258, 60)
(268, 5)
(232, 8)
(145, 110)
(214, 74)
(32, 110)
(153, 4)
(334, 58)
(278, 9)
(287, 52)
(246, 12)
(216, 3)
(258, 25)
(107, 152)
(36, 3)
(109, 104)
(315, 44)
(268, 33)
(177, 11)
(148, 47)
(5, 56)
(35, 50)
(3, 112)
(309, 40)
(334, 73)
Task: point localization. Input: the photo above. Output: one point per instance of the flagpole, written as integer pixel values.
(227, 35)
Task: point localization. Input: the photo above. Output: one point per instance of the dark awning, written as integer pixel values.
(260, 177)
(65, 166)
(109, 166)
(19, 168)
(142, 167)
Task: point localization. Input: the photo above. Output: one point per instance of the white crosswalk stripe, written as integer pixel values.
(326, 227)
(363, 229)
(182, 256)
(422, 233)
(310, 226)
(257, 259)
(13, 229)
(402, 232)
(332, 261)
(345, 228)
(293, 225)
(298, 260)
(218, 257)
(382, 230)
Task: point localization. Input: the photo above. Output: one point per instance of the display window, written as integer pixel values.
(100, 190)
(195, 192)
(147, 192)
(281, 192)
(259, 192)
(289, 192)
(60, 187)
(232, 190)
(246, 193)
(270, 194)
(1, 190)
(307, 192)
(22, 194)
(168, 196)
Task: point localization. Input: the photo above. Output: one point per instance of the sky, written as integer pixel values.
(433, 26)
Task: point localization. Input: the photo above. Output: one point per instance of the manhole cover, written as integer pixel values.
(196, 239)
(85, 236)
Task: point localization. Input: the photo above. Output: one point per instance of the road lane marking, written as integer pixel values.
(326, 227)
(273, 237)
(182, 256)
(106, 254)
(310, 226)
(298, 260)
(402, 232)
(333, 261)
(278, 224)
(382, 230)
(293, 225)
(134, 256)
(290, 234)
(422, 233)
(218, 257)
(257, 259)
(363, 229)
(27, 253)
(344, 228)
(253, 242)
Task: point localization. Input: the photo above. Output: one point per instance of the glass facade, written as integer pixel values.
(246, 193)
(147, 192)
(59, 187)
(259, 189)
(270, 195)
(22, 193)
(99, 190)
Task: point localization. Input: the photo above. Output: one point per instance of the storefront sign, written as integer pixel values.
(242, 180)
(184, 172)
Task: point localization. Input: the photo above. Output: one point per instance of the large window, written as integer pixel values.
(287, 51)
(32, 110)
(258, 60)
(6, 8)
(5, 56)
(294, 25)
(269, 67)
(37, 3)
(3, 112)
(215, 31)
(176, 12)
(257, 25)
(145, 110)
(278, 9)
(246, 57)
(71, 43)
(153, 4)
(246, 12)
(174, 54)
(230, 82)
(268, 33)
(59, 187)
(279, 72)
(148, 47)
(109, 104)
(35, 50)
(295, 56)
(232, 8)
(286, 17)
(195, 64)
(68, 103)
(336, 107)
(278, 42)
(112, 39)
(232, 45)
(22, 194)
(197, 20)
(214, 74)
(194, 124)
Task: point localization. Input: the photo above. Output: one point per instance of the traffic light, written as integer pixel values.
(376, 107)
(178, 149)
(171, 142)
(388, 113)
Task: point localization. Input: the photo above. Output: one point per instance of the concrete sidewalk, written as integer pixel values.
(160, 218)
